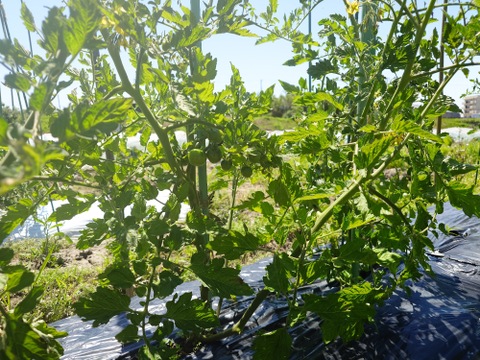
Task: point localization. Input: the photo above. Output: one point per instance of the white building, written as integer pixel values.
(471, 106)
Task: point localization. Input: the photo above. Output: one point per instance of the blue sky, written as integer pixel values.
(260, 66)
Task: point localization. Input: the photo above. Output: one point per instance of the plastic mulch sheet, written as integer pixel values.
(438, 319)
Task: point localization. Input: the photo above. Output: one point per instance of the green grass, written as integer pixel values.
(63, 283)
(460, 122)
(63, 287)
(269, 123)
(468, 153)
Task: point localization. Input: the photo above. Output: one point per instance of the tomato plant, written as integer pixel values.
(140, 69)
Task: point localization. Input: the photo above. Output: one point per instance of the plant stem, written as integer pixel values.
(238, 327)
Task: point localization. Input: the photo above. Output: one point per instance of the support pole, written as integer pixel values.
(441, 63)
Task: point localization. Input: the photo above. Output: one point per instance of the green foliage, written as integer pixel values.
(273, 345)
(141, 71)
(22, 338)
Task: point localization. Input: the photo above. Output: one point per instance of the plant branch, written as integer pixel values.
(238, 327)
(406, 76)
(65, 181)
(390, 203)
(135, 94)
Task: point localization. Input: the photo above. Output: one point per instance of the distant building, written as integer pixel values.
(471, 106)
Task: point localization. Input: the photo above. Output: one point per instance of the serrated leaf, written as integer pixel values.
(15, 216)
(29, 302)
(105, 111)
(461, 196)
(121, 277)
(38, 97)
(457, 168)
(27, 18)
(321, 68)
(409, 127)
(252, 201)
(128, 334)
(191, 314)
(345, 312)
(102, 305)
(274, 345)
(279, 191)
(167, 284)
(388, 259)
(84, 18)
(322, 96)
(279, 274)
(68, 211)
(27, 341)
(372, 152)
(289, 88)
(234, 244)
(6, 254)
(222, 281)
(18, 278)
(298, 135)
(18, 81)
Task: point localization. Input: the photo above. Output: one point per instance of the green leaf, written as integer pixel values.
(409, 127)
(234, 244)
(15, 216)
(168, 282)
(128, 335)
(279, 273)
(103, 112)
(85, 17)
(321, 68)
(389, 259)
(461, 196)
(274, 345)
(29, 302)
(38, 97)
(300, 134)
(372, 152)
(253, 200)
(457, 168)
(322, 96)
(18, 81)
(68, 211)
(222, 281)
(121, 277)
(18, 278)
(6, 255)
(3, 131)
(27, 18)
(102, 305)
(344, 313)
(279, 192)
(190, 314)
(288, 87)
(27, 341)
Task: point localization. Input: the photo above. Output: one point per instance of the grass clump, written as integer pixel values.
(64, 272)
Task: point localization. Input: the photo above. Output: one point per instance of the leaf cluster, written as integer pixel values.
(347, 193)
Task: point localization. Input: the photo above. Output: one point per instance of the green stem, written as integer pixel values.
(394, 207)
(65, 181)
(238, 327)
(234, 197)
(406, 76)
(140, 101)
(145, 308)
(352, 189)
